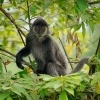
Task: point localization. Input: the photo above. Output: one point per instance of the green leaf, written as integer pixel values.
(71, 85)
(62, 4)
(46, 77)
(9, 98)
(82, 4)
(43, 93)
(20, 90)
(83, 86)
(63, 96)
(1, 67)
(47, 3)
(91, 25)
(77, 8)
(3, 96)
(77, 27)
(57, 85)
(70, 90)
(50, 85)
(70, 17)
(32, 10)
(16, 90)
(97, 13)
(53, 84)
(1, 1)
(22, 85)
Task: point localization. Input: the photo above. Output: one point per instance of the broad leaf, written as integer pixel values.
(69, 90)
(32, 10)
(3, 96)
(9, 98)
(1, 1)
(63, 96)
(82, 4)
(91, 25)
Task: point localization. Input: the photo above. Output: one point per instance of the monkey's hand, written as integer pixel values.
(19, 64)
(18, 61)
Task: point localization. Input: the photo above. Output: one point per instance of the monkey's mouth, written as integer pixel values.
(40, 35)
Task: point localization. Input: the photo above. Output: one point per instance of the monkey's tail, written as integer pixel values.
(80, 65)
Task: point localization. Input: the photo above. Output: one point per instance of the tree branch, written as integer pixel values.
(7, 56)
(98, 47)
(28, 13)
(12, 20)
(66, 53)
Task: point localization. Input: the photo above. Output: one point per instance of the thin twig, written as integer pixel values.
(21, 37)
(28, 13)
(24, 28)
(23, 21)
(7, 52)
(23, 9)
(29, 21)
(6, 56)
(98, 47)
(66, 53)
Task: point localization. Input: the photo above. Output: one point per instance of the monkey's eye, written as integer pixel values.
(35, 28)
(43, 29)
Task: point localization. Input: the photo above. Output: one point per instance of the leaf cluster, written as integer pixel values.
(30, 87)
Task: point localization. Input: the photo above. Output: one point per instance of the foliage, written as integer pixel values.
(24, 86)
(64, 87)
(16, 87)
(67, 20)
(96, 85)
(30, 87)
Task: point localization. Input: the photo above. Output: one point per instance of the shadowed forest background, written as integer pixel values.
(75, 26)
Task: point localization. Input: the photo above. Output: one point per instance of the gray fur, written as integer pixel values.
(48, 55)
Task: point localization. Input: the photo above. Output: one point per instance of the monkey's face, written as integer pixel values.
(40, 28)
(40, 31)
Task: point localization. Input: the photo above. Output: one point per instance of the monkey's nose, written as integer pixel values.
(39, 35)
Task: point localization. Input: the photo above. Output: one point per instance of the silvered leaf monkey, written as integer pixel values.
(48, 55)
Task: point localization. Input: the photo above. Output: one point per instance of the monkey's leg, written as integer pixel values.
(55, 69)
(51, 69)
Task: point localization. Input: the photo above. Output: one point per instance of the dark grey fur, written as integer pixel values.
(49, 57)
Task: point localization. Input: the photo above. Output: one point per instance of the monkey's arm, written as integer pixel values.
(80, 65)
(22, 53)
